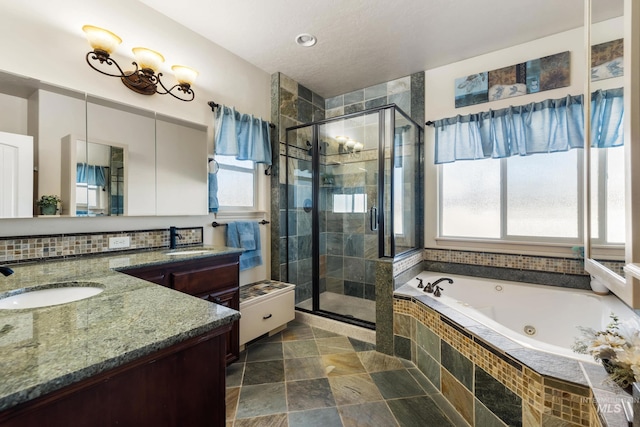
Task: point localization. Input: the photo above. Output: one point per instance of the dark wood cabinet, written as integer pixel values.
(216, 279)
(182, 385)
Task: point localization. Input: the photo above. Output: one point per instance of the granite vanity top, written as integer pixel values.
(45, 349)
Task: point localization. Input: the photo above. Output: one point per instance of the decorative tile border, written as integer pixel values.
(515, 261)
(544, 399)
(29, 248)
(405, 263)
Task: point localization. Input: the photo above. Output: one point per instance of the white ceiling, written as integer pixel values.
(365, 42)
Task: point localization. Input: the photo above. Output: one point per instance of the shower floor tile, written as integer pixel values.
(346, 305)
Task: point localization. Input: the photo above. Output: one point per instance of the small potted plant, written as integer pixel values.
(48, 204)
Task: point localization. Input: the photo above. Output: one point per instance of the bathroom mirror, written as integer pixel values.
(605, 252)
(104, 158)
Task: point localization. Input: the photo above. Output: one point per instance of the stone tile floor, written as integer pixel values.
(305, 376)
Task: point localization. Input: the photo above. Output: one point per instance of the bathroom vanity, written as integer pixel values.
(212, 279)
(135, 354)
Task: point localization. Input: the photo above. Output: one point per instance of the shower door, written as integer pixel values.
(348, 163)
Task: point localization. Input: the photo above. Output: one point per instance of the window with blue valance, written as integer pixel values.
(91, 174)
(539, 127)
(242, 135)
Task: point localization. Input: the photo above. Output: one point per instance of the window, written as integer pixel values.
(607, 195)
(516, 198)
(470, 199)
(236, 183)
(350, 203)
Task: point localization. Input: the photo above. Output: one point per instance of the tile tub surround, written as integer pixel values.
(55, 246)
(45, 349)
(491, 379)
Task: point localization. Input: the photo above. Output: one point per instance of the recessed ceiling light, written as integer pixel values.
(306, 40)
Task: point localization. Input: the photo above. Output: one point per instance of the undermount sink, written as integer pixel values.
(194, 252)
(48, 295)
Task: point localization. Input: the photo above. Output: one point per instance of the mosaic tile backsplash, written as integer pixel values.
(516, 261)
(30, 248)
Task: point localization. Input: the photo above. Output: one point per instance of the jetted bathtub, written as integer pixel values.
(536, 316)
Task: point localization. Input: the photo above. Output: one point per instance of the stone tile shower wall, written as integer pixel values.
(406, 92)
(30, 248)
(291, 104)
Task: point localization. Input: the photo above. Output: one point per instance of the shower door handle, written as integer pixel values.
(373, 218)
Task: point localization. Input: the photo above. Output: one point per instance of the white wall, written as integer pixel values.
(44, 40)
(440, 103)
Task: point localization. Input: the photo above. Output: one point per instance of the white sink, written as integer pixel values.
(60, 293)
(194, 252)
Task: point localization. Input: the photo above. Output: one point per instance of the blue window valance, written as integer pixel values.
(242, 135)
(91, 174)
(539, 127)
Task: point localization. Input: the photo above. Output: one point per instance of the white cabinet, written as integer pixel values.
(264, 307)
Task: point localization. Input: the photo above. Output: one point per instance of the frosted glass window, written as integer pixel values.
(359, 203)
(594, 170)
(236, 182)
(340, 203)
(615, 195)
(470, 199)
(349, 203)
(542, 195)
(398, 200)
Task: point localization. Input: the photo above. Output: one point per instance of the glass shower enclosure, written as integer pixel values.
(353, 186)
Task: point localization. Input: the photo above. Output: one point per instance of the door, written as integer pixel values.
(16, 175)
(348, 215)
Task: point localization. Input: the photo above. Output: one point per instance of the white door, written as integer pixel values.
(16, 175)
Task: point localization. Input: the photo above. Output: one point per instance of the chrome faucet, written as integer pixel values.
(6, 271)
(173, 234)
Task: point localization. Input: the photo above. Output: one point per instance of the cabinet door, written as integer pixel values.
(229, 299)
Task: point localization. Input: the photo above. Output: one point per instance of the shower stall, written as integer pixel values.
(352, 196)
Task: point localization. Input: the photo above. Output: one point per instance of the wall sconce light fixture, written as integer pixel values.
(145, 79)
(348, 145)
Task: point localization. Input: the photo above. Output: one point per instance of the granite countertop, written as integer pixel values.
(45, 349)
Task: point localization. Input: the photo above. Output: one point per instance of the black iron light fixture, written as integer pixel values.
(145, 79)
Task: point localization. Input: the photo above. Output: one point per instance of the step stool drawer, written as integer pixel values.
(265, 314)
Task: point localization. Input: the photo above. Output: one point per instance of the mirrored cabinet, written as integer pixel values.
(102, 158)
(610, 206)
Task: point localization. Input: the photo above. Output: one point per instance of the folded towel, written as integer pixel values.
(213, 192)
(246, 235)
(250, 257)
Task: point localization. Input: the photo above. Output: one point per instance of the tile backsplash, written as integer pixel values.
(30, 248)
(502, 260)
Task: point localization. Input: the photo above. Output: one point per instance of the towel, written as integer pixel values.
(245, 235)
(213, 193)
